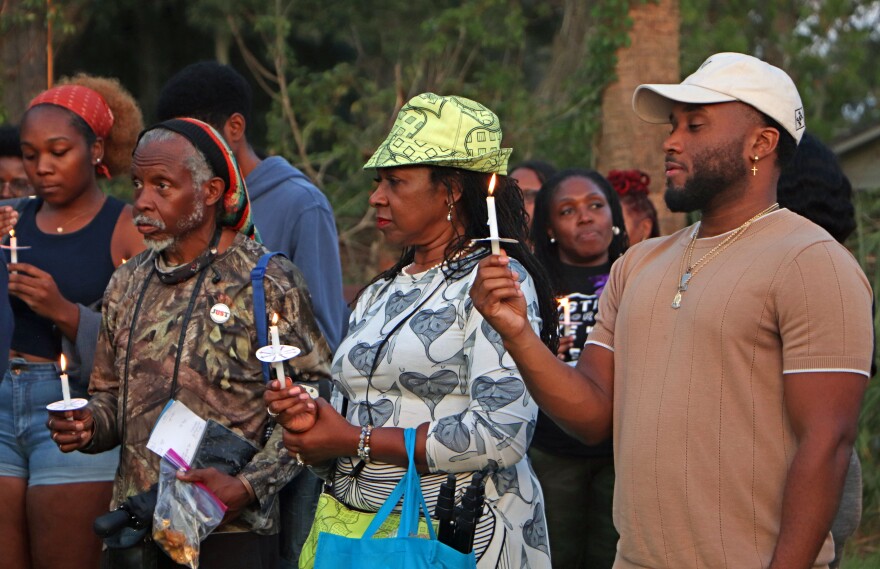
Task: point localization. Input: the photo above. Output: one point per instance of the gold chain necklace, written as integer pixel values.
(455, 257)
(60, 228)
(692, 269)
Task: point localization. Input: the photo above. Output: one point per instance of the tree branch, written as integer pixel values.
(286, 106)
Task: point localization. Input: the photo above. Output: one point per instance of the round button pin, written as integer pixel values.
(220, 313)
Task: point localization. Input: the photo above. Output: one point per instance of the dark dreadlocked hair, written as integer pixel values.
(547, 252)
(471, 210)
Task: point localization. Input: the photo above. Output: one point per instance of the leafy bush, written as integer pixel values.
(865, 244)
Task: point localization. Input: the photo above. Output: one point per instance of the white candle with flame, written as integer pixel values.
(13, 246)
(493, 219)
(565, 303)
(65, 384)
(276, 343)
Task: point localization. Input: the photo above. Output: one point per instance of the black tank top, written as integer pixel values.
(79, 262)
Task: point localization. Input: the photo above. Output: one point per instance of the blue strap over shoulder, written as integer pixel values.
(260, 321)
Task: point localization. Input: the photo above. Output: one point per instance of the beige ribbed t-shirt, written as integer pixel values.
(702, 443)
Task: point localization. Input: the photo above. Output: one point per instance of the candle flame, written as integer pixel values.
(12, 233)
(492, 184)
(63, 363)
(563, 301)
(274, 318)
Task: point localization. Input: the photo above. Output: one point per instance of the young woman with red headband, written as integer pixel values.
(77, 236)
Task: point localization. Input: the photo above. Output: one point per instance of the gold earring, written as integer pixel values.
(755, 165)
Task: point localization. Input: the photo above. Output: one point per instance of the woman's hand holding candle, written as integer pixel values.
(71, 430)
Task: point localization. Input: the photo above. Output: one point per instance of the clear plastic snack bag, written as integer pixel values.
(185, 513)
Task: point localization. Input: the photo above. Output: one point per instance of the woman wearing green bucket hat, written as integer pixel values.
(418, 356)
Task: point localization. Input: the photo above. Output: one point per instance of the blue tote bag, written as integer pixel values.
(403, 552)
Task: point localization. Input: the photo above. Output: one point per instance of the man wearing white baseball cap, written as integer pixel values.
(729, 359)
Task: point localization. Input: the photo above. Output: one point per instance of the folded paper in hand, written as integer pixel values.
(200, 443)
(177, 428)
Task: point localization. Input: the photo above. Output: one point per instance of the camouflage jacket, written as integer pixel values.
(219, 377)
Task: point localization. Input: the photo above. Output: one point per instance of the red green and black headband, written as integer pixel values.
(235, 208)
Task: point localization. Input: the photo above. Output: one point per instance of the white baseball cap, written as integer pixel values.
(723, 78)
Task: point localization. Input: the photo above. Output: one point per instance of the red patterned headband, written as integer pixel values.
(86, 103)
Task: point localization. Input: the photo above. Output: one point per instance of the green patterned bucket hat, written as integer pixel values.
(444, 131)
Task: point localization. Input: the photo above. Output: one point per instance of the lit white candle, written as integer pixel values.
(13, 246)
(276, 343)
(565, 303)
(65, 384)
(493, 219)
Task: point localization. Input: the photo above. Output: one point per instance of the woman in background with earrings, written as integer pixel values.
(639, 212)
(578, 232)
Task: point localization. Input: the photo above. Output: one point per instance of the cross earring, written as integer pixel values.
(755, 166)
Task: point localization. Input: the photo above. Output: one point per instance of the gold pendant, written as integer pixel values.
(676, 302)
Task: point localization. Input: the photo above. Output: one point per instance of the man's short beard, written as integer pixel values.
(184, 225)
(716, 170)
(195, 218)
(159, 245)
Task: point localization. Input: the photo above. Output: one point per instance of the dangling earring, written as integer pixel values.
(449, 213)
(755, 166)
(615, 230)
(552, 240)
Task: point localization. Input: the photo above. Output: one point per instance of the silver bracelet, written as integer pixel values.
(364, 443)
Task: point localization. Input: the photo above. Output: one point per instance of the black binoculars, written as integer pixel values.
(130, 523)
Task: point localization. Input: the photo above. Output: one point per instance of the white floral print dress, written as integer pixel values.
(441, 363)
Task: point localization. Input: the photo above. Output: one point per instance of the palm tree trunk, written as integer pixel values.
(624, 141)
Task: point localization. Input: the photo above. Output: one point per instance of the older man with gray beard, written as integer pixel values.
(178, 323)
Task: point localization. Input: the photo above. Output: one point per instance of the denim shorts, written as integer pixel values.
(26, 449)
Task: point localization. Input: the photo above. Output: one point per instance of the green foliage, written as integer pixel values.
(338, 77)
(27, 12)
(829, 48)
(866, 246)
(119, 187)
(859, 560)
(22, 13)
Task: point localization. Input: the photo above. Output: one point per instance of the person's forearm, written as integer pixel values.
(104, 436)
(270, 469)
(812, 494)
(67, 319)
(387, 445)
(565, 393)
